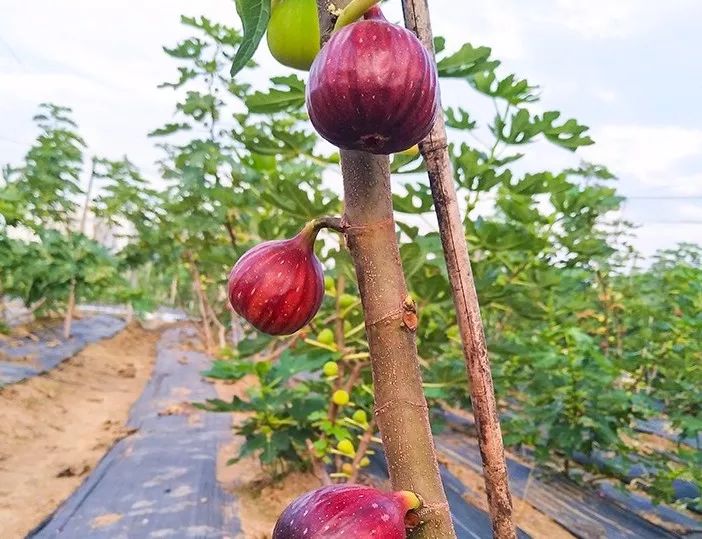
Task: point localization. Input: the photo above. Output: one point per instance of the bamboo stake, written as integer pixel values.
(435, 152)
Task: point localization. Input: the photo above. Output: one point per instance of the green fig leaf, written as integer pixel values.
(254, 15)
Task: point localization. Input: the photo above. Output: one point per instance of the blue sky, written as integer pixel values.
(630, 69)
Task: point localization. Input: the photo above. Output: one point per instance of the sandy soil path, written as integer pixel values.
(54, 428)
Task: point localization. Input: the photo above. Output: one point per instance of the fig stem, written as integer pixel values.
(436, 156)
(354, 11)
(333, 223)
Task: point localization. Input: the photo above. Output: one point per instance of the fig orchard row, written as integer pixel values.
(372, 91)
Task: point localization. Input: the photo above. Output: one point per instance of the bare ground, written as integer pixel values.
(57, 426)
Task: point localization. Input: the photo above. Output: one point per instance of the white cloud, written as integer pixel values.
(606, 95)
(652, 155)
(607, 19)
(594, 19)
(690, 185)
(690, 212)
(652, 238)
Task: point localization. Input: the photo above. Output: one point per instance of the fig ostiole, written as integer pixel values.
(373, 87)
(278, 286)
(293, 32)
(345, 512)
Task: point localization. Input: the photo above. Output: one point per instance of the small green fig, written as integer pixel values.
(326, 336)
(293, 32)
(340, 397)
(359, 416)
(346, 447)
(330, 368)
(346, 300)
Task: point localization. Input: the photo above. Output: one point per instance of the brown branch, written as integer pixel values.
(230, 232)
(199, 292)
(88, 194)
(318, 469)
(435, 152)
(405, 430)
(339, 322)
(70, 306)
(361, 451)
(333, 223)
(221, 329)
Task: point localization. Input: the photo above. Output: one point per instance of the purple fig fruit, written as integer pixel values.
(346, 512)
(373, 87)
(278, 286)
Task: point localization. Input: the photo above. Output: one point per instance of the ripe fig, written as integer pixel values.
(278, 286)
(293, 32)
(345, 512)
(373, 87)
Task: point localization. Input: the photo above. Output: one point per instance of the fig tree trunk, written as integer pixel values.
(400, 406)
(435, 152)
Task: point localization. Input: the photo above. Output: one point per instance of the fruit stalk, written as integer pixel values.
(435, 152)
(353, 11)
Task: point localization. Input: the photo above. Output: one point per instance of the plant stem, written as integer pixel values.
(71, 304)
(353, 11)
(435, 151)
(332, 223)
(400, 406)
(200, 293)
(361, 451)
(88, 194)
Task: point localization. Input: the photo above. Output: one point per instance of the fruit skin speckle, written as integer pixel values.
(346, 512)
(278, 286)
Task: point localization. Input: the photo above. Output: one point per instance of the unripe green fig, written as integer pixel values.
(326, 336)
(329, 284)
(359, 416)
(346, 300)
(340, 397)
(330, 368)
(346, 447)
(293, 32)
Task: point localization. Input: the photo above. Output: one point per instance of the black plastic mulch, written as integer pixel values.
(584, 513)
(468, 521)
(51, 348)
(161, 481)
